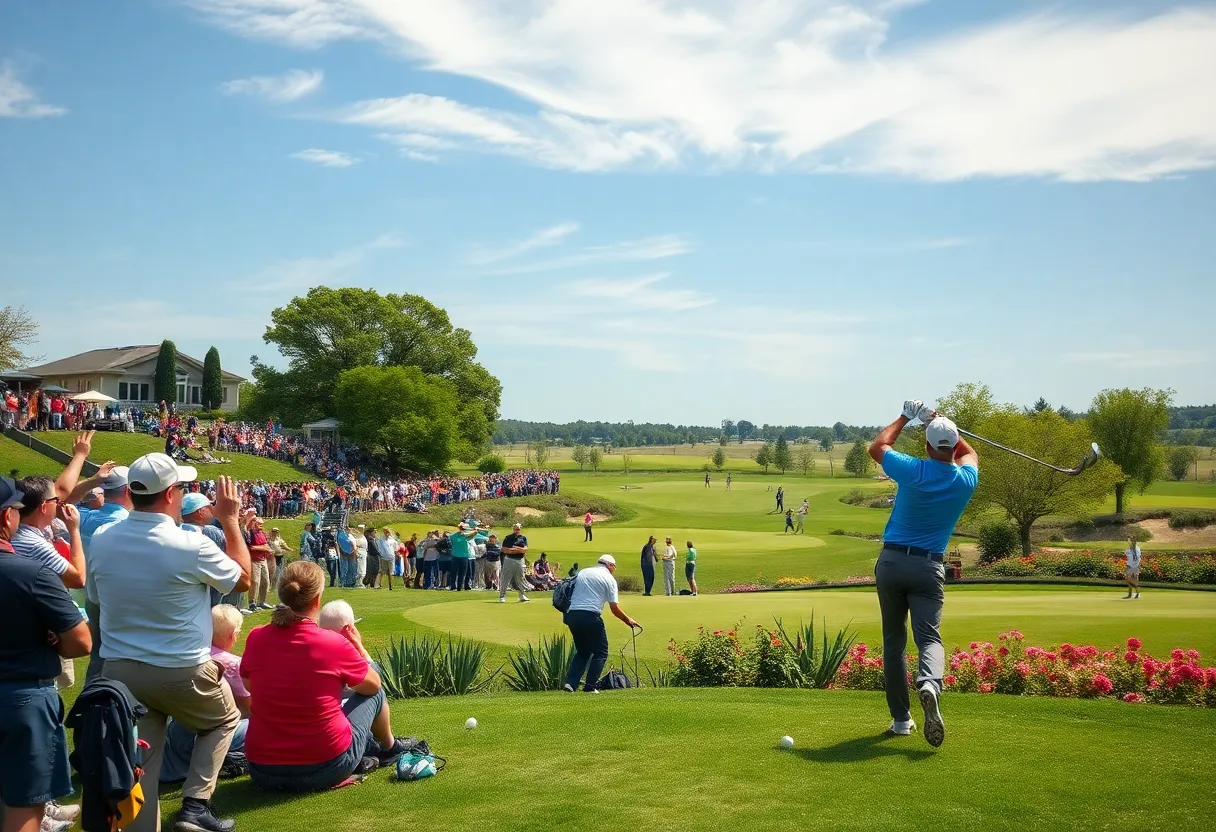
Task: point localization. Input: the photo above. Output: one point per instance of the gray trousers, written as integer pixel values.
(512, 576)
(669, 577)
(910, 585)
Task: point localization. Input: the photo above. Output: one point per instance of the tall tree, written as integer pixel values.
(165, 380)
(540, 453)
(857, 462)
(781, 455)
(331, 330)
(840, 432)
(413, 418)
(827, 441)
(764, 455)
(1181, 458)
(744, 429)
(213, 380)
(580, 455)
(719, 458)
(728, 427)
(804, 458)
(1028, 491)
(17, 328)
(968, 404)
(1127, 424)
(595, 456)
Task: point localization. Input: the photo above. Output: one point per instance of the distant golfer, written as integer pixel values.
(707, 479)
(910, 573)
(728, 482)
(789, 520)
(514, 552)
(587, 520)
(593, 588)
(780, 498)
(803, 511)
(1132, 573)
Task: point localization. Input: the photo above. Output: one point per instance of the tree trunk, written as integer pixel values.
(1024, 530)
(831, 467)
(1119, 497)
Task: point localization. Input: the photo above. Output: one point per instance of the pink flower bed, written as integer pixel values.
(1069, 671)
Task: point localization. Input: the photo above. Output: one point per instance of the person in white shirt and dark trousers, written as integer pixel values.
(593, 588)
(1132, 573)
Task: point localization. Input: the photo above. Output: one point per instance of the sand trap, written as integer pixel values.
(598, 518)
(1162, 533)
(528, 511)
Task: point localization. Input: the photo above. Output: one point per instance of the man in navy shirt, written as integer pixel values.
(911, 572)
(41, 626)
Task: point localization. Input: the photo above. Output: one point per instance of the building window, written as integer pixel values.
(122, 390)
(195, 395)
(225, 395)
(143, 392)
(183, 381)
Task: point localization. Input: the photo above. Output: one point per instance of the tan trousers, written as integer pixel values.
(198, 699)
(259, 581)
(489, 573)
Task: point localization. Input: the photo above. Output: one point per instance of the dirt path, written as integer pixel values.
(1162, 533)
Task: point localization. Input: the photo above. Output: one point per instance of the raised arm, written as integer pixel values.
(66, 484)
(227, 511)
(913, 409)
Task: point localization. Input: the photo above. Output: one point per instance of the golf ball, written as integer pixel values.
(471, 723)
(787, 742)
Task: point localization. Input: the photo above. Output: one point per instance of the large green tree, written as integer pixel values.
(857, 461)
(764, 455)
(1028, 491)
(165, 380)
(213, 381)
(968, 404)
(415, 419)
(1127, 425)
(329, 331)
(782, 458)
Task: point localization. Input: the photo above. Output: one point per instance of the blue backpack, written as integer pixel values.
(563, 594)
(345, 544)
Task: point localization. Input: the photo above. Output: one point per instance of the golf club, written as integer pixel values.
(1089, 460)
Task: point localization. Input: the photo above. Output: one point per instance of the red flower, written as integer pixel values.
(1132, 697)
(975, 645)
(950, 680)
(1134, 643)
(776, 642)
(1004, 651)
(1102, 685)
(1130, 657)
(986, 687)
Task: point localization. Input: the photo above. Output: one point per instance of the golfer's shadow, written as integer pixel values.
(861, 749)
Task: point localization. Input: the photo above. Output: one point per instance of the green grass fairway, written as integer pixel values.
(709, 760)
(126, 447)
(1047, 616)
(27, 463)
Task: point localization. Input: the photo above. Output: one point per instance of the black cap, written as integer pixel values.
(10, 497)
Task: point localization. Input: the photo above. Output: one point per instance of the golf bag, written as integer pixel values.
(614, 680)
(563, 594)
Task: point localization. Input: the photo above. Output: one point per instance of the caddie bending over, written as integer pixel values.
(911, 572)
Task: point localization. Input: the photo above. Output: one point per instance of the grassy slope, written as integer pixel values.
(708, 760)
(27, 463)
(125, 447)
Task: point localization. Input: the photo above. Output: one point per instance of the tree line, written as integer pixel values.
(632, 435)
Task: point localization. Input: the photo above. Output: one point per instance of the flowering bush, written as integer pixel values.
(741, 588)
(1190, 568)
(770, 662)
(1068, 671)
(712, 659)
(783, 583)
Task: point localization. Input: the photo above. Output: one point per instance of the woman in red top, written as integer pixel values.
(302, 737)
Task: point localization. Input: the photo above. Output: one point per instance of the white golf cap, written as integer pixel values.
(153, 473)
(117, 479)
(941, 433)
(607, 560)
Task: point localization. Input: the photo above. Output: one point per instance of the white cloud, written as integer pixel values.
(290, 86)
(327, 158)
(629, 251)
(19, 101)
(816, 85)
(1140, 359)
(302, 273)
(544, 238)
(642, 292)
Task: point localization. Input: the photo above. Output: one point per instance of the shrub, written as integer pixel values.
(1192, 518)
(1083, 564)
(539, 668)
(629, 583)
(770, 663)
(818, 664)
(786, 583)
(736, 587)
(426, 666)
(997, 540)
(492, 464)
(1013, 567)
(712, 659)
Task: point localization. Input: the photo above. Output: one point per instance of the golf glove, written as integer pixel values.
(925, 415)
(912, 408)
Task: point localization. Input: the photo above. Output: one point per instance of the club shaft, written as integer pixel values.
(1011, 450)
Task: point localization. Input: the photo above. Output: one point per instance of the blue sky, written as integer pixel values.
(779, 210)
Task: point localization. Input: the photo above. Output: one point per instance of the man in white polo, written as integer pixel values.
(152, 581)
(593, 588)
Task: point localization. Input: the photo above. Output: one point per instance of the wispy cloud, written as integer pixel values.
(647, 248)
(19, 101)
(1141, 359)
(941, 243)
(551, 236)
(290, 86)
(327, 158)
(813, 86)
(302, 273)
(642, 292)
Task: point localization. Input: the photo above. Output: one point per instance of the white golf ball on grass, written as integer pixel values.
(787, 742)
(471, 723)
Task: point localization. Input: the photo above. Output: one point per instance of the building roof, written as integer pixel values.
(111, 360)
(328, 423)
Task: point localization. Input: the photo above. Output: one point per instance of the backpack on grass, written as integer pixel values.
(614, 680)
(419, 763)
(563, 594)
(108, 755)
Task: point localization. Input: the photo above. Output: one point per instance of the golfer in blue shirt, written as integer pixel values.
(911, 572)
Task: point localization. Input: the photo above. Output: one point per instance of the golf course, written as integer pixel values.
(678, 758)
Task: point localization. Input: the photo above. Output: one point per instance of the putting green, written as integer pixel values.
(1163, 619)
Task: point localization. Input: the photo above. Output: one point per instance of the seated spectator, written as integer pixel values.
(542, 573)
(336, 616)
(302, 737)
(226, 623)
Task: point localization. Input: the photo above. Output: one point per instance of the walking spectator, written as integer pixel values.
(780, 499)
(789, 521)
(279, 547)
(372, 574)
(301, 736)
(359, 539)
(151, 578)
(388, 557)
(593, 587)
(649, 556)
(803, 511)
(260, 556)
(514, 551)
(669, 569)
(42, 628)
(491, 563)
(690, 568)
(728, 482)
